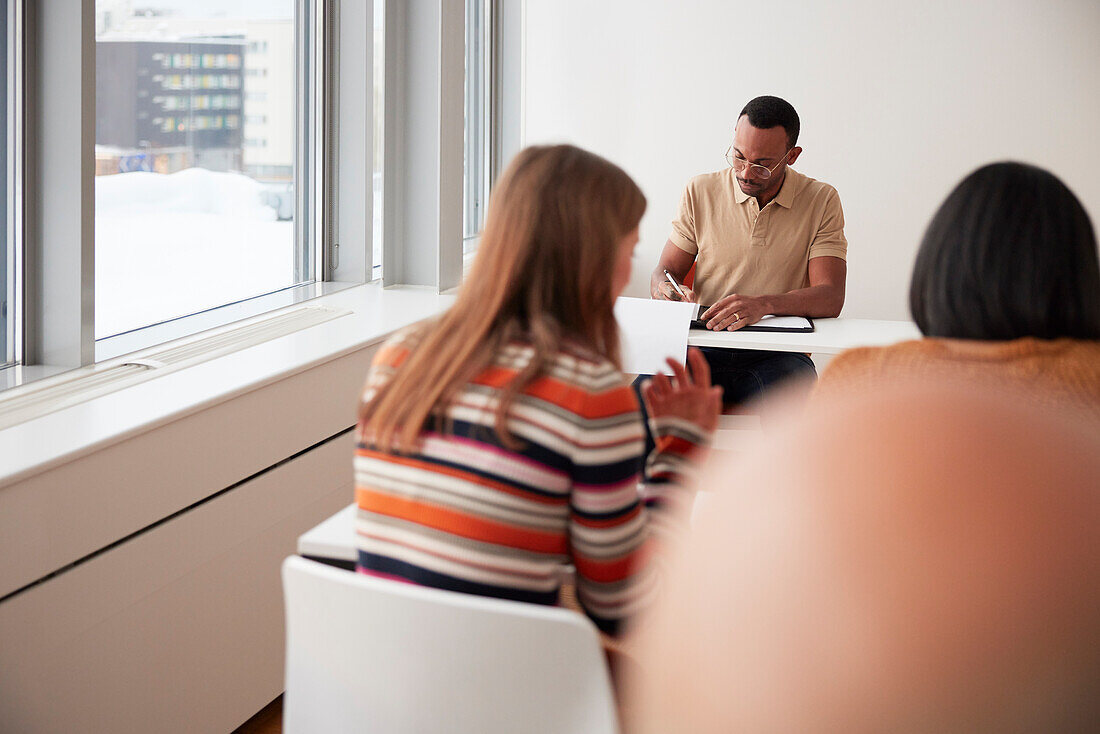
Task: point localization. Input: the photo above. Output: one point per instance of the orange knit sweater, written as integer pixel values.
(1056, 372)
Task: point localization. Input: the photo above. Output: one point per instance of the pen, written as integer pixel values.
(683, 296)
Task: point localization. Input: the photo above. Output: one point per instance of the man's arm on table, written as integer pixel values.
(822, 299)
(677, 262)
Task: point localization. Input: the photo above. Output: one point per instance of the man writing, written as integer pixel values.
(764, 239)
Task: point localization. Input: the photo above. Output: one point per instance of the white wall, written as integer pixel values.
(898, 101)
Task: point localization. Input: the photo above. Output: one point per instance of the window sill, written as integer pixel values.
(42, 443)
(131, 341)
(17, 375)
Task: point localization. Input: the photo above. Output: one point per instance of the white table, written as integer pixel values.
(333, 540)
(830, 336)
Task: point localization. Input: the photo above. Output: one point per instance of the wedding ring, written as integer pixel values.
(736, 316)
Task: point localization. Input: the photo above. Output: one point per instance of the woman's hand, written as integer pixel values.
(687, 394)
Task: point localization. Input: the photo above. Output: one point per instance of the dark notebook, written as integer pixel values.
(767, 323)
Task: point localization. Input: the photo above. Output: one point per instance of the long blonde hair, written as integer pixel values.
(543, 271)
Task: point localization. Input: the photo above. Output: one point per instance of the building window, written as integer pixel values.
(478, 163)
(187, 218)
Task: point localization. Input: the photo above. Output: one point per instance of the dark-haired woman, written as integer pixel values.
(501, 442)
(1006, 290)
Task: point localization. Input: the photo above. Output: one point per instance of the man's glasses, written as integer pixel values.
(740, 165)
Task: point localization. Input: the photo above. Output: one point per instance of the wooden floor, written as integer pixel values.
(268, 721)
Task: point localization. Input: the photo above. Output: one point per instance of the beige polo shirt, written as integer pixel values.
(741, 248)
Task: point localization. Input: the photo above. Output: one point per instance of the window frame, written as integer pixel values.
(11, 353)
(423, 139)
(313, 141)
(479, 131)
(58, 167)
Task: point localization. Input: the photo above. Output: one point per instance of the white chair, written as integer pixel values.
(369, 655)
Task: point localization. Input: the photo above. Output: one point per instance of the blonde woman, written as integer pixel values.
(501, 442)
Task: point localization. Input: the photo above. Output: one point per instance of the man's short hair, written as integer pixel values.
(767, 111)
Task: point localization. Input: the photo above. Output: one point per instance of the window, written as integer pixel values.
(189, 196)
(478, 163)
(190, 215)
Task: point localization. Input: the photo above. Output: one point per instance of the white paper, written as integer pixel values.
(650, 331)
(784, 322)
(779, 322)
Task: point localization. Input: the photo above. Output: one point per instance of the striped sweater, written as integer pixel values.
(466, 513)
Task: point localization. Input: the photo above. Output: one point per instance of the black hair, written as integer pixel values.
(1010, 253)
(765, 112)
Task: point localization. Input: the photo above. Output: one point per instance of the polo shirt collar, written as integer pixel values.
(788, 192)
(738, 195)
(793, 183)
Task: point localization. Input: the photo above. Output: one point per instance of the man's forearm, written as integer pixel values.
(655, 280)
(819, 301)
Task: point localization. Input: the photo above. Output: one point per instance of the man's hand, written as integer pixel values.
(736, 311)
(665, 292)
(678, 264)
(686, 395)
